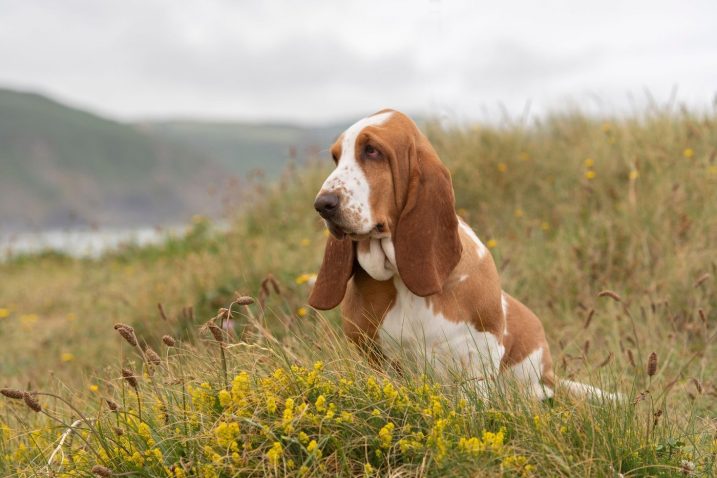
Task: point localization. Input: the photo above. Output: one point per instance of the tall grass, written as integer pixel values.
(570, 206)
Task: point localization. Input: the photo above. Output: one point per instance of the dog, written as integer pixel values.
(410, 274)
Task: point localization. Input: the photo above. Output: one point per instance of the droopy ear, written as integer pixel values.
(335, 272)
(426, 238)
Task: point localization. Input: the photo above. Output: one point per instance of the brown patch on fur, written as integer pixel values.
(366, 304)
(525, 335)
(472, 292)
(335, 272)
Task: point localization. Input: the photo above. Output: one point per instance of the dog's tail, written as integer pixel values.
(583, 390)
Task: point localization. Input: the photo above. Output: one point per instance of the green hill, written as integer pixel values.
(63, 167)
(246, 147)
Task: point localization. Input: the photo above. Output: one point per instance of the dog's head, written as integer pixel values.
(388, 183)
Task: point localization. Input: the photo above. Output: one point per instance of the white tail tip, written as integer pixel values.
(583, 390)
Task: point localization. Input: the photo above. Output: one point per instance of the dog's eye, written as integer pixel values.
(333, 156)
(371, 152)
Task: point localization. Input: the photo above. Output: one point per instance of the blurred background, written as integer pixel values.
(119, 120)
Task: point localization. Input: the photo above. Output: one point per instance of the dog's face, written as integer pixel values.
(357, 199)
(388, 183)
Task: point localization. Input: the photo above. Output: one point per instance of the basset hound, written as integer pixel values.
(409, 273)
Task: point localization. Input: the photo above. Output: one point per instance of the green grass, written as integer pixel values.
(571, 207)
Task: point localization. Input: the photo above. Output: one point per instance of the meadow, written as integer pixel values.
(200, 357)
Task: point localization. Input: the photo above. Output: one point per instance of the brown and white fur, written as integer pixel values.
(409, 273)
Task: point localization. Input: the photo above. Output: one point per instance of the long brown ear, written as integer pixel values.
(335, 272)
(426, 238)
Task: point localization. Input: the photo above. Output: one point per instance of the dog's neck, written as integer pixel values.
(377, 257)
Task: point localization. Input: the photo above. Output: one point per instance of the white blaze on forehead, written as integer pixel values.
(349, 181)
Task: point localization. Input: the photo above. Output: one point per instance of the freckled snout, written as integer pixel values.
(327, 205)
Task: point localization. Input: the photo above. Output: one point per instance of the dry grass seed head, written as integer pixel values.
(101, 471)
(32, 402)
(612, 294)
(127, 333)
(130, 378)
(152, 356)
(12, 393)
(112, 405)
(652, 364)
(169, 341)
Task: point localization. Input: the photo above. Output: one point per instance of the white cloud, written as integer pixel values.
(315, 61)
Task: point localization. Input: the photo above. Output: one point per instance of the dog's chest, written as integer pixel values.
(412, 327)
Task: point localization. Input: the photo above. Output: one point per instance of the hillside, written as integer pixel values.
(607, 230)
(245, 147)
(66, 167)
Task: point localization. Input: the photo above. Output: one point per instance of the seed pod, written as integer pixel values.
(216, 332)
(118, 431)
(169, 341)
(152, 356)
(631, 358)
(127, 333)
(130, 377)
(244, 300)
(12, 393)
(112, 405)
(652, 364)
(612, 294)
(32, 402)
(101, 471)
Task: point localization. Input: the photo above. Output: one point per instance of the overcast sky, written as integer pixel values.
(315, 61)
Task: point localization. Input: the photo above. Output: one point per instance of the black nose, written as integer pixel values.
(327, 205)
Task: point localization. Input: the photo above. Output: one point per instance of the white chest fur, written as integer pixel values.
(412, 328)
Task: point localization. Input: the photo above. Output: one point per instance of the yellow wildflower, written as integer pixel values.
(367, 468)
(28, 319)
(502, 167)
(67, 357)
(634, 174)
(589, 163)
(303, 470)
(494, 441)
(137, 459)
(320, 404)
(518, 213)
(545, 226)
(389, 391)
(71, 317)
(4, 312)
(471, 445)
(93, 388)
(274, 454)
(712, 170)
(590, 175)
(305, 278)
(524, 156)
(226, 435)
(492, 243)
(225, 398)
(313, 449)
(288, 416)
(271, 403)
(688, 153)
(303, 438)
(385, 435)
(305, 242)
(302, 311)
